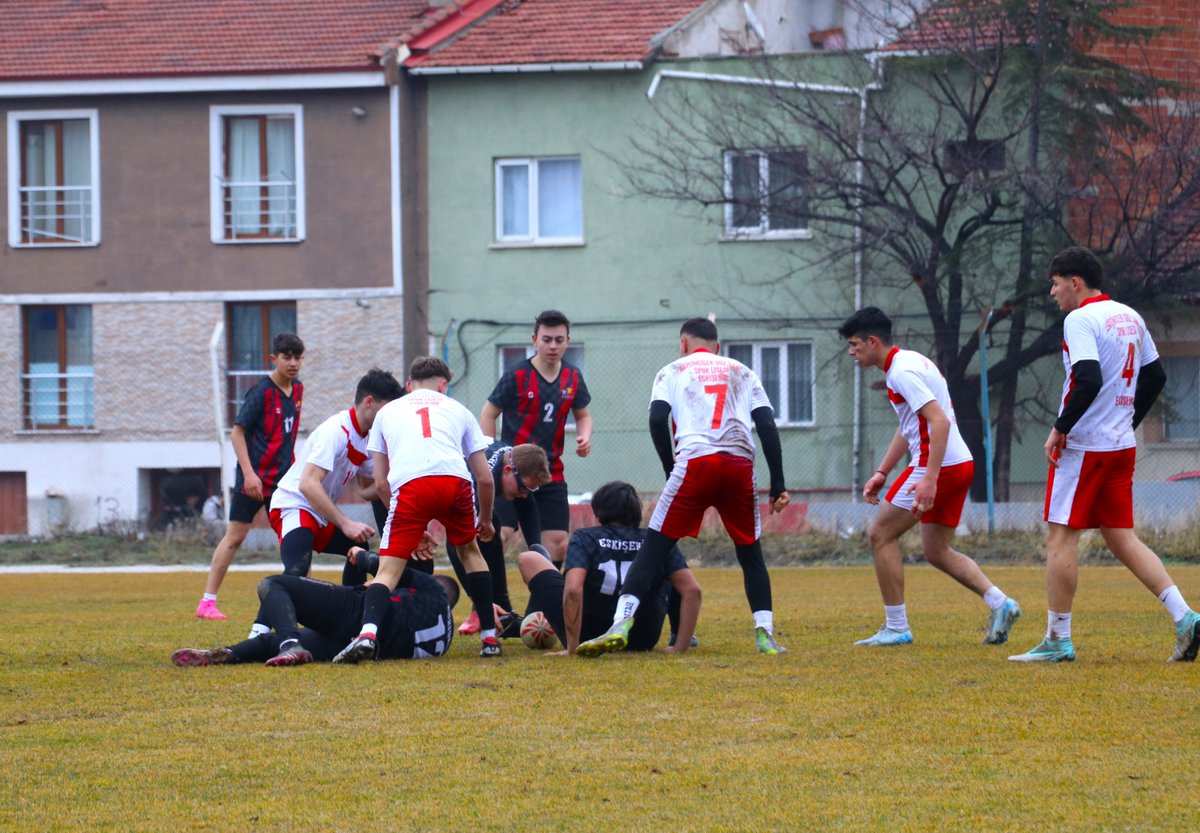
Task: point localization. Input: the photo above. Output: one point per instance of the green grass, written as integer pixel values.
(98, 731)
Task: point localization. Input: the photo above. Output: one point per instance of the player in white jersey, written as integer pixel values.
(304, 511)
(1113, 377)
(715, 403)
(931, 490)
(426, 447)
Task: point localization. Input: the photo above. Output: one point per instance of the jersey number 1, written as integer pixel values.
(426, 431)
(1127, 370)
(719, 411)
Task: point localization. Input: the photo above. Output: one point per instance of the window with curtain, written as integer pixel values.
(54, 196)
(766, 192)
(539, 200)
(249, 330)
(58, 382)
(258, 172)
(1181, 397)
(786, 372)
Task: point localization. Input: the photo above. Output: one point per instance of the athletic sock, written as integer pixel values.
(764, 619)
(287, 643)
(258, 629)
(369, 630)
(994, 598)
(896, 617)
(1173, 601)
(1058, 625)
(626, 607)
(209, 597)
(486, 632)
(479, 588)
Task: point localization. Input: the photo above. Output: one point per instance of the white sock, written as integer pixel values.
(896, 617)
(486, 633)
(626, 607)
(287, 643)
(764, 619)
(369, 630)
(1058, 625)
(994, 598)
(210, 597)
(1173, 601)
(258, 629)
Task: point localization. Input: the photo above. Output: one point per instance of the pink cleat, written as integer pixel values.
(471, 625)
(208, 610)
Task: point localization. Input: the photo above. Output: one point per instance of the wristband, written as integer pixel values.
(881, 471)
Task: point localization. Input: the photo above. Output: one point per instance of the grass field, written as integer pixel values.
(101, 732)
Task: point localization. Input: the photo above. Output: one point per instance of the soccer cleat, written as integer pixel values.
(508, 626)
(766, 642)
(1048, 650)
(1000, 622)
(208, 610)
(490, 647)
(613, 639)
(695, 643)
(885, 637)
(294, 654)
(188, 657)
(1187, 638)
(470, 625)
(362, 647)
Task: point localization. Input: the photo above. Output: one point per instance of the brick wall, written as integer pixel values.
(10, 362)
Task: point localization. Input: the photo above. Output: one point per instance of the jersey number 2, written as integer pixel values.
(426, 431)
(719, 411)
(1127, 370)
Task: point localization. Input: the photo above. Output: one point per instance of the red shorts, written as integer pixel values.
(284, 521)
(1090, 489)
(953, 486)
(447, 499)
(725, 482)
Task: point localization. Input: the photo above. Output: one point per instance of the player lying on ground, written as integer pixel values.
(932, 490)
(1113, 377)
(416, 623)
(580, 605)
(714, 402)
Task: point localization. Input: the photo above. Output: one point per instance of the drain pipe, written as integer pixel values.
(861, 93)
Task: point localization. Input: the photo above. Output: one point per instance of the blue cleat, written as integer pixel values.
(1001, 621)
(1048, 650)
(1187, 638)
(613, 639)
(886, 637)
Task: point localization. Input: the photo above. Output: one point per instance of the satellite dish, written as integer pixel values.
(754, 23)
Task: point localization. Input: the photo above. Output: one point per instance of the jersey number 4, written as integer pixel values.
(719, 411)
(1127, 371)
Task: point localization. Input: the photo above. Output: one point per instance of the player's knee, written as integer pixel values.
(264, 587)
(877, 536)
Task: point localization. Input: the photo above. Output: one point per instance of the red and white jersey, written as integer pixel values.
(1108, 332)
(913, 382)
(711, 398)
(340, 447)
(425, 433)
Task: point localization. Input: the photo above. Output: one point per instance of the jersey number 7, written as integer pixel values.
(719, 391)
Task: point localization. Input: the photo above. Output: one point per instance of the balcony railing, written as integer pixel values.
(56, 214)
(58, 400)
(265, 209)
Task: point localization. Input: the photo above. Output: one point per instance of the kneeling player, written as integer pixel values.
(581, 603)
(417, 622)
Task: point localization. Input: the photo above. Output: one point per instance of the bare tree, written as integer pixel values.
(954, 161)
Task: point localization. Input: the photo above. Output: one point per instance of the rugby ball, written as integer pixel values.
(536, 631)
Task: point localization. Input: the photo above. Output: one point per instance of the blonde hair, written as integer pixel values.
(530, 460)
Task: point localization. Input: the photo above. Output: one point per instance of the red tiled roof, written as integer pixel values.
(58, 39)
(553, 31)
(954, 25)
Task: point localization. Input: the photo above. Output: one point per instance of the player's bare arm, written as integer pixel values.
(583, 431)
(366, 488)
(685, 584)
(925, 489)
(383, 489)
(572, 609)
(251, 482)
(487, 419)
(1053, 446)
(313, 489)
(485, 490)
(894, 454)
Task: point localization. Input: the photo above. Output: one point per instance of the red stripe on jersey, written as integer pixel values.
(887, 363)
(355, 456)
(568, 383)
(1095, 300)
(923, 427)
(528, 405)
(895, 398)
(273, 429)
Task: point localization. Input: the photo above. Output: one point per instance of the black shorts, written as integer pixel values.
(243, 508)
(546, 595)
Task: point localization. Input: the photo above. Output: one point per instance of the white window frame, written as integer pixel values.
(762, 231)
(216, 156)
(782, 418)
(531, 163)
(15, 117)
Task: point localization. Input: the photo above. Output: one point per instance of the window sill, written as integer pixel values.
(35, 246)
(792, 426)
(753, 236)
(56, 432)
(572, 243)
(258, 241)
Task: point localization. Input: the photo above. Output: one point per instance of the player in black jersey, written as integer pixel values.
(264, 440)
(518, 474)
(535, 398)
(581, 604)
(417, 624)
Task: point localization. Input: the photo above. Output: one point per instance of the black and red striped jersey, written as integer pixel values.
(535, 409)
(271, 420)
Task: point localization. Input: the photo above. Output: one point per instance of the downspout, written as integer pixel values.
(860, 149)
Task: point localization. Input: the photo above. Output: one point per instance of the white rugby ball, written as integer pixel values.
(536, 631)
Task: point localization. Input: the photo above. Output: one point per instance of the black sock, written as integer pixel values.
(754, 576)
(479, 588)
(493, 554)
(375, 603)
